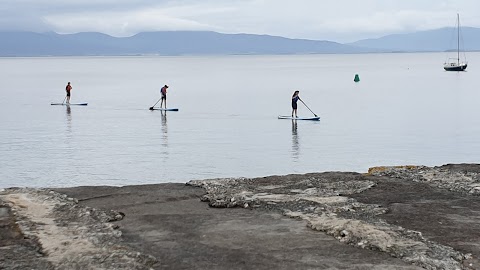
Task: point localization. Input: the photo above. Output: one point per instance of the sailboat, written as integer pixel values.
(454, 64)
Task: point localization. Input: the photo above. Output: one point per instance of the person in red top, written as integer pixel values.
(68, 88)
(163, 92)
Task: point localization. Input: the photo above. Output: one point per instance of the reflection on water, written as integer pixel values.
(164, 131)
(69, 113)
(69, 121)
(295, 144)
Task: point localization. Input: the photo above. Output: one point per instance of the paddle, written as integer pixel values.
(64, 100)
(308, 108)
(151, 108)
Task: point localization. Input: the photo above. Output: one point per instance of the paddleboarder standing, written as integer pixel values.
(67, 89)
(295, 98)
(163, 93)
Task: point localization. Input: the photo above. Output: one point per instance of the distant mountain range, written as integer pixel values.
(211, 43)
(443, 39)
(162, 43)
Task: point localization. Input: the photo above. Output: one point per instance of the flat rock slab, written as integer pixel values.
(426, 216)
(169, 222)
(446, 217)
(407, 217)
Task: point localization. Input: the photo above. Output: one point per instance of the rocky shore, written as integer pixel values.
(407, 217)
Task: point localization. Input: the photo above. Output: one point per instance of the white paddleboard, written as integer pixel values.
(69, 104)
(299, 118)
(163, 109)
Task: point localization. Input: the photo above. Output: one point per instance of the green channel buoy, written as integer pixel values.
(357, 78)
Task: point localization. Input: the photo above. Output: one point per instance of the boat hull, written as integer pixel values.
(455, 67)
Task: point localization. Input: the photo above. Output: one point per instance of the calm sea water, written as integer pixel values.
(405, 110)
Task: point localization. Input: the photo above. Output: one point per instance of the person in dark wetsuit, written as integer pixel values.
(295, 98)
(163, 93)
(67, 89)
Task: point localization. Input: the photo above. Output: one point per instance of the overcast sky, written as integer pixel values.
(335, 20)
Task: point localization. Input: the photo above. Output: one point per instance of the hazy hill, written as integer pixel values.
(207, 43)
(434, 40)
(162, 43)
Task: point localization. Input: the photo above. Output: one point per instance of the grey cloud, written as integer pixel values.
(334, 20)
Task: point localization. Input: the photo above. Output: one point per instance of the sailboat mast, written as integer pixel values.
(458, 39)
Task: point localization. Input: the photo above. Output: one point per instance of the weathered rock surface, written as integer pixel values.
(407, 217)
(338, 204)
(57, 233)
(169, 222)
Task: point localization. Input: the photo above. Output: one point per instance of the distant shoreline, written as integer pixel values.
(219, 55)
